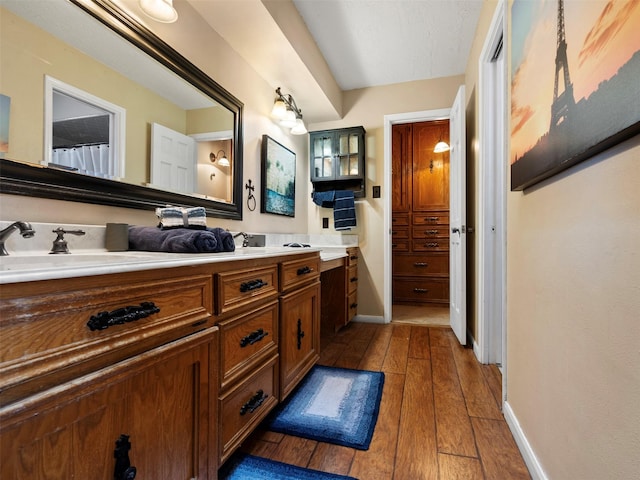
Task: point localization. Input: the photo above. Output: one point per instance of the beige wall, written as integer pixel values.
(367, 107)
(573, 297)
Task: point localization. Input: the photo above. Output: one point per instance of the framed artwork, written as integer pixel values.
(278, 178)
(574, 83)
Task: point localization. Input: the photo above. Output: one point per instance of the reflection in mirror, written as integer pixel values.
(83, 133)
(36, 40)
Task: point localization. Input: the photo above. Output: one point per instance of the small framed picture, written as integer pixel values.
(278, 178)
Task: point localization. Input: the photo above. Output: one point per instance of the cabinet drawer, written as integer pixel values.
(352, 279)
(399, 219)
(352, 256)
(427, 264)
(430, 231)
(399, 233)
(352, 306)
(297, 272)
(245, 340)
(431, 218)
(240, 288)
(400, 245)
(48, 339)
(421, 290)
(430, 245)
(245, 406)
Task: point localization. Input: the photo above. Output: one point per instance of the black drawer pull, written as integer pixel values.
(421, 290)
(431, 244)
(353, 305)
(123, 469)
(300, 334)
(253, 337)
(252, 285)
(431, 232)
(353, 257)
(420, 264)
(353, 279)
(394, 245)
(304, 270)
(104, 320)
(254, 402)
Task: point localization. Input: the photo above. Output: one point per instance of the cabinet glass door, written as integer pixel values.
(322, 157)
(348, 155)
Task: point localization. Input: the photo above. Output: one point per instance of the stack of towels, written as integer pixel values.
(181, 230)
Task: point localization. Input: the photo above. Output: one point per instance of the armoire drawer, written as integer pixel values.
(430, 231)
(430, 245)
(420, 265)
(245, 406)
(245, 340)
(51, 338)
(431, 218)
(421, 290)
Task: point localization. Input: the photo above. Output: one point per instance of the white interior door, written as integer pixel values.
(457, 220)
(173, 160)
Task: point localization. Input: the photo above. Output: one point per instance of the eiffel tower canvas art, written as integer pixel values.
(575, 92)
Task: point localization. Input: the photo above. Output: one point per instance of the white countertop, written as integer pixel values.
(36, 266)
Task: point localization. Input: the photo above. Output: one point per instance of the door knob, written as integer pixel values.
(455, 230)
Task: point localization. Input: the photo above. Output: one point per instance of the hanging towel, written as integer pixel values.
(180, 240)
(324, 199)
(179, 217)
(344, 210)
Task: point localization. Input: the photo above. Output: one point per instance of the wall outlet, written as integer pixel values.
(325, 222)
(376, 191)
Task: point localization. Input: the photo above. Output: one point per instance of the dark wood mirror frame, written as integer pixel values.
(38, 181)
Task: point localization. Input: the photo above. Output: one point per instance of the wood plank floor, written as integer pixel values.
(439, 417)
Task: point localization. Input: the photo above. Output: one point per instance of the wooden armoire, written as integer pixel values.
(420, 213)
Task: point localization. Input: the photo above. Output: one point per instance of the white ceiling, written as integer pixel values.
(379, 42)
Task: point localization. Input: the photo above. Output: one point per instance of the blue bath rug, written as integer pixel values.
(333, 405)
(248, 467)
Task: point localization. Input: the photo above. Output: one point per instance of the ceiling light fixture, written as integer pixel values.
(222, 160)
(160, 10)
(290, 116)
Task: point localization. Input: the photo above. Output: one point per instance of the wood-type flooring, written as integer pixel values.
(439, 417)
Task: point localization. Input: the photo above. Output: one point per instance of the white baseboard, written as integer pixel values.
(369, 319)
(535, 469)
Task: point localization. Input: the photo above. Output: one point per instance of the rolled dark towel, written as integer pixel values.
(225, 239)
(177, 240)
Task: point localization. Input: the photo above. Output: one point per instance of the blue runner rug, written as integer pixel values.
(248, 467)
(333, 405)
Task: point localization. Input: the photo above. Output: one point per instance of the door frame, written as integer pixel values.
(492, 197)
(389, 120)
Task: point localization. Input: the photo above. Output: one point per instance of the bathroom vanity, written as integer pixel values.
(172, 358)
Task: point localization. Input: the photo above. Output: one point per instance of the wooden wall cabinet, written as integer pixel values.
(337, 160)
(420, 213)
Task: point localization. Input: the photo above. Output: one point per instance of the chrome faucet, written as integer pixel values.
(245, 238)
(25, 230)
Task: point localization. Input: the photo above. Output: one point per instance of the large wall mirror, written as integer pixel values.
(102, 111)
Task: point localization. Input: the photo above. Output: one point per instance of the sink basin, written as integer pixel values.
(46, 261)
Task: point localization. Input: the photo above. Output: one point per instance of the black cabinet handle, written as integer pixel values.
(300, 334)
(254, 402)
(353, 257)
(119, 316)
(252, 285)
(123, 469)
(253, 337)
(431, 232)
(304, 270)
(353, 305)
(353, 279)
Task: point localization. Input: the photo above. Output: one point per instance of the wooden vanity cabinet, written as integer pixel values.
(159, 390)
(299, 321)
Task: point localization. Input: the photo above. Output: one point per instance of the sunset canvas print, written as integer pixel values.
(575, 83)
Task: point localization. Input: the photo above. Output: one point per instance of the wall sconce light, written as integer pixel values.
(160, 10)
(222, 160)
(441, 146)
(290, 116)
